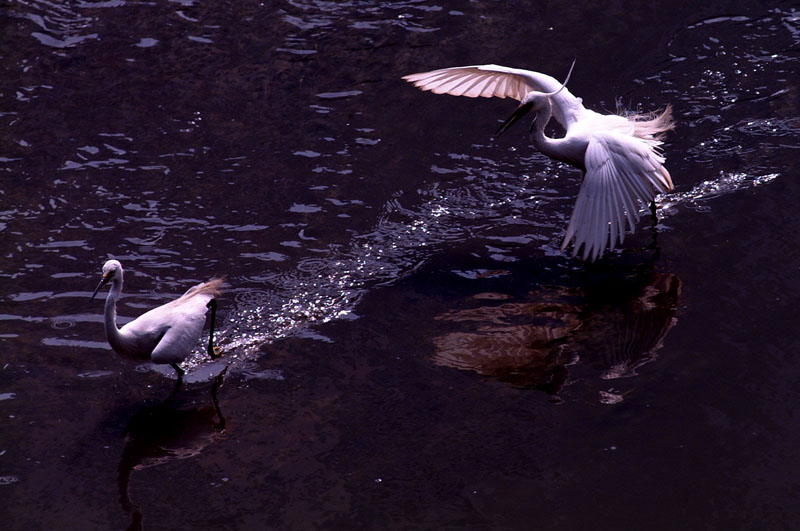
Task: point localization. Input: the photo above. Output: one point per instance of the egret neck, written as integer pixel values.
(110, 318)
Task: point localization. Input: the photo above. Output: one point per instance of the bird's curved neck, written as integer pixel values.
(540, 141)
(110, 318)
(553, 148)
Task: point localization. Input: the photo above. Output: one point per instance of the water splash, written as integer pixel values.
(487, 201)
(696, 198)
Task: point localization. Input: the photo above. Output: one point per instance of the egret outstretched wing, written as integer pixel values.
(623, 175)
(489, 81)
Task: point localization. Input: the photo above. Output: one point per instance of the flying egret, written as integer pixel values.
(165, 334)
(620, 156)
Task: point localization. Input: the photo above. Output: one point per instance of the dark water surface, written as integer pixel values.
(408, 347)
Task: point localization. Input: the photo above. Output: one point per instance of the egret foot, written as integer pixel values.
(654, 213)
(654, 230)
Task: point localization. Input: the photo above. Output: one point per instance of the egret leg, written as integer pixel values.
(213, 305)
(180, 371)
(178, 383)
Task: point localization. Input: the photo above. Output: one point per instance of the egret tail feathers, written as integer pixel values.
(653, 126)
(213, 288)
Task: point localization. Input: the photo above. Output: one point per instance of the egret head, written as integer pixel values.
(111, 269)
(533, 101)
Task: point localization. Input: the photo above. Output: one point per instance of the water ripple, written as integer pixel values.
(58, 25)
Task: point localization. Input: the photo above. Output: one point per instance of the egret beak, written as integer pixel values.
(102, 283)
(521, 111)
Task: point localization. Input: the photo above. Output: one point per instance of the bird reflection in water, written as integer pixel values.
(615, 329)
(159, 434)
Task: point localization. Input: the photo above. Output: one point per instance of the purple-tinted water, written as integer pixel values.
(407, 346)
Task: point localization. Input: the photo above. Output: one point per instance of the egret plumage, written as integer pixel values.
(620, 156)
(165, 334)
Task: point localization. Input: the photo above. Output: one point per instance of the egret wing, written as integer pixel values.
(623, 175)
(489, 81)
(484, 81)
(186, 326)
(139, 337)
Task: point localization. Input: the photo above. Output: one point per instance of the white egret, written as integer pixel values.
(620, 156)
(165, 334)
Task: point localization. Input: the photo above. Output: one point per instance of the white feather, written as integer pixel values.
(620, 155)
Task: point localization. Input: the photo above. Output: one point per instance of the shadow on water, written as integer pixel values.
(610, 317)
(158, 434)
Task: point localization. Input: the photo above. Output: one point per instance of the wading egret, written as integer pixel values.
(623, 168)
(165, 334)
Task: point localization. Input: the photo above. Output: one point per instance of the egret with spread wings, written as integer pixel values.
(620, 156)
